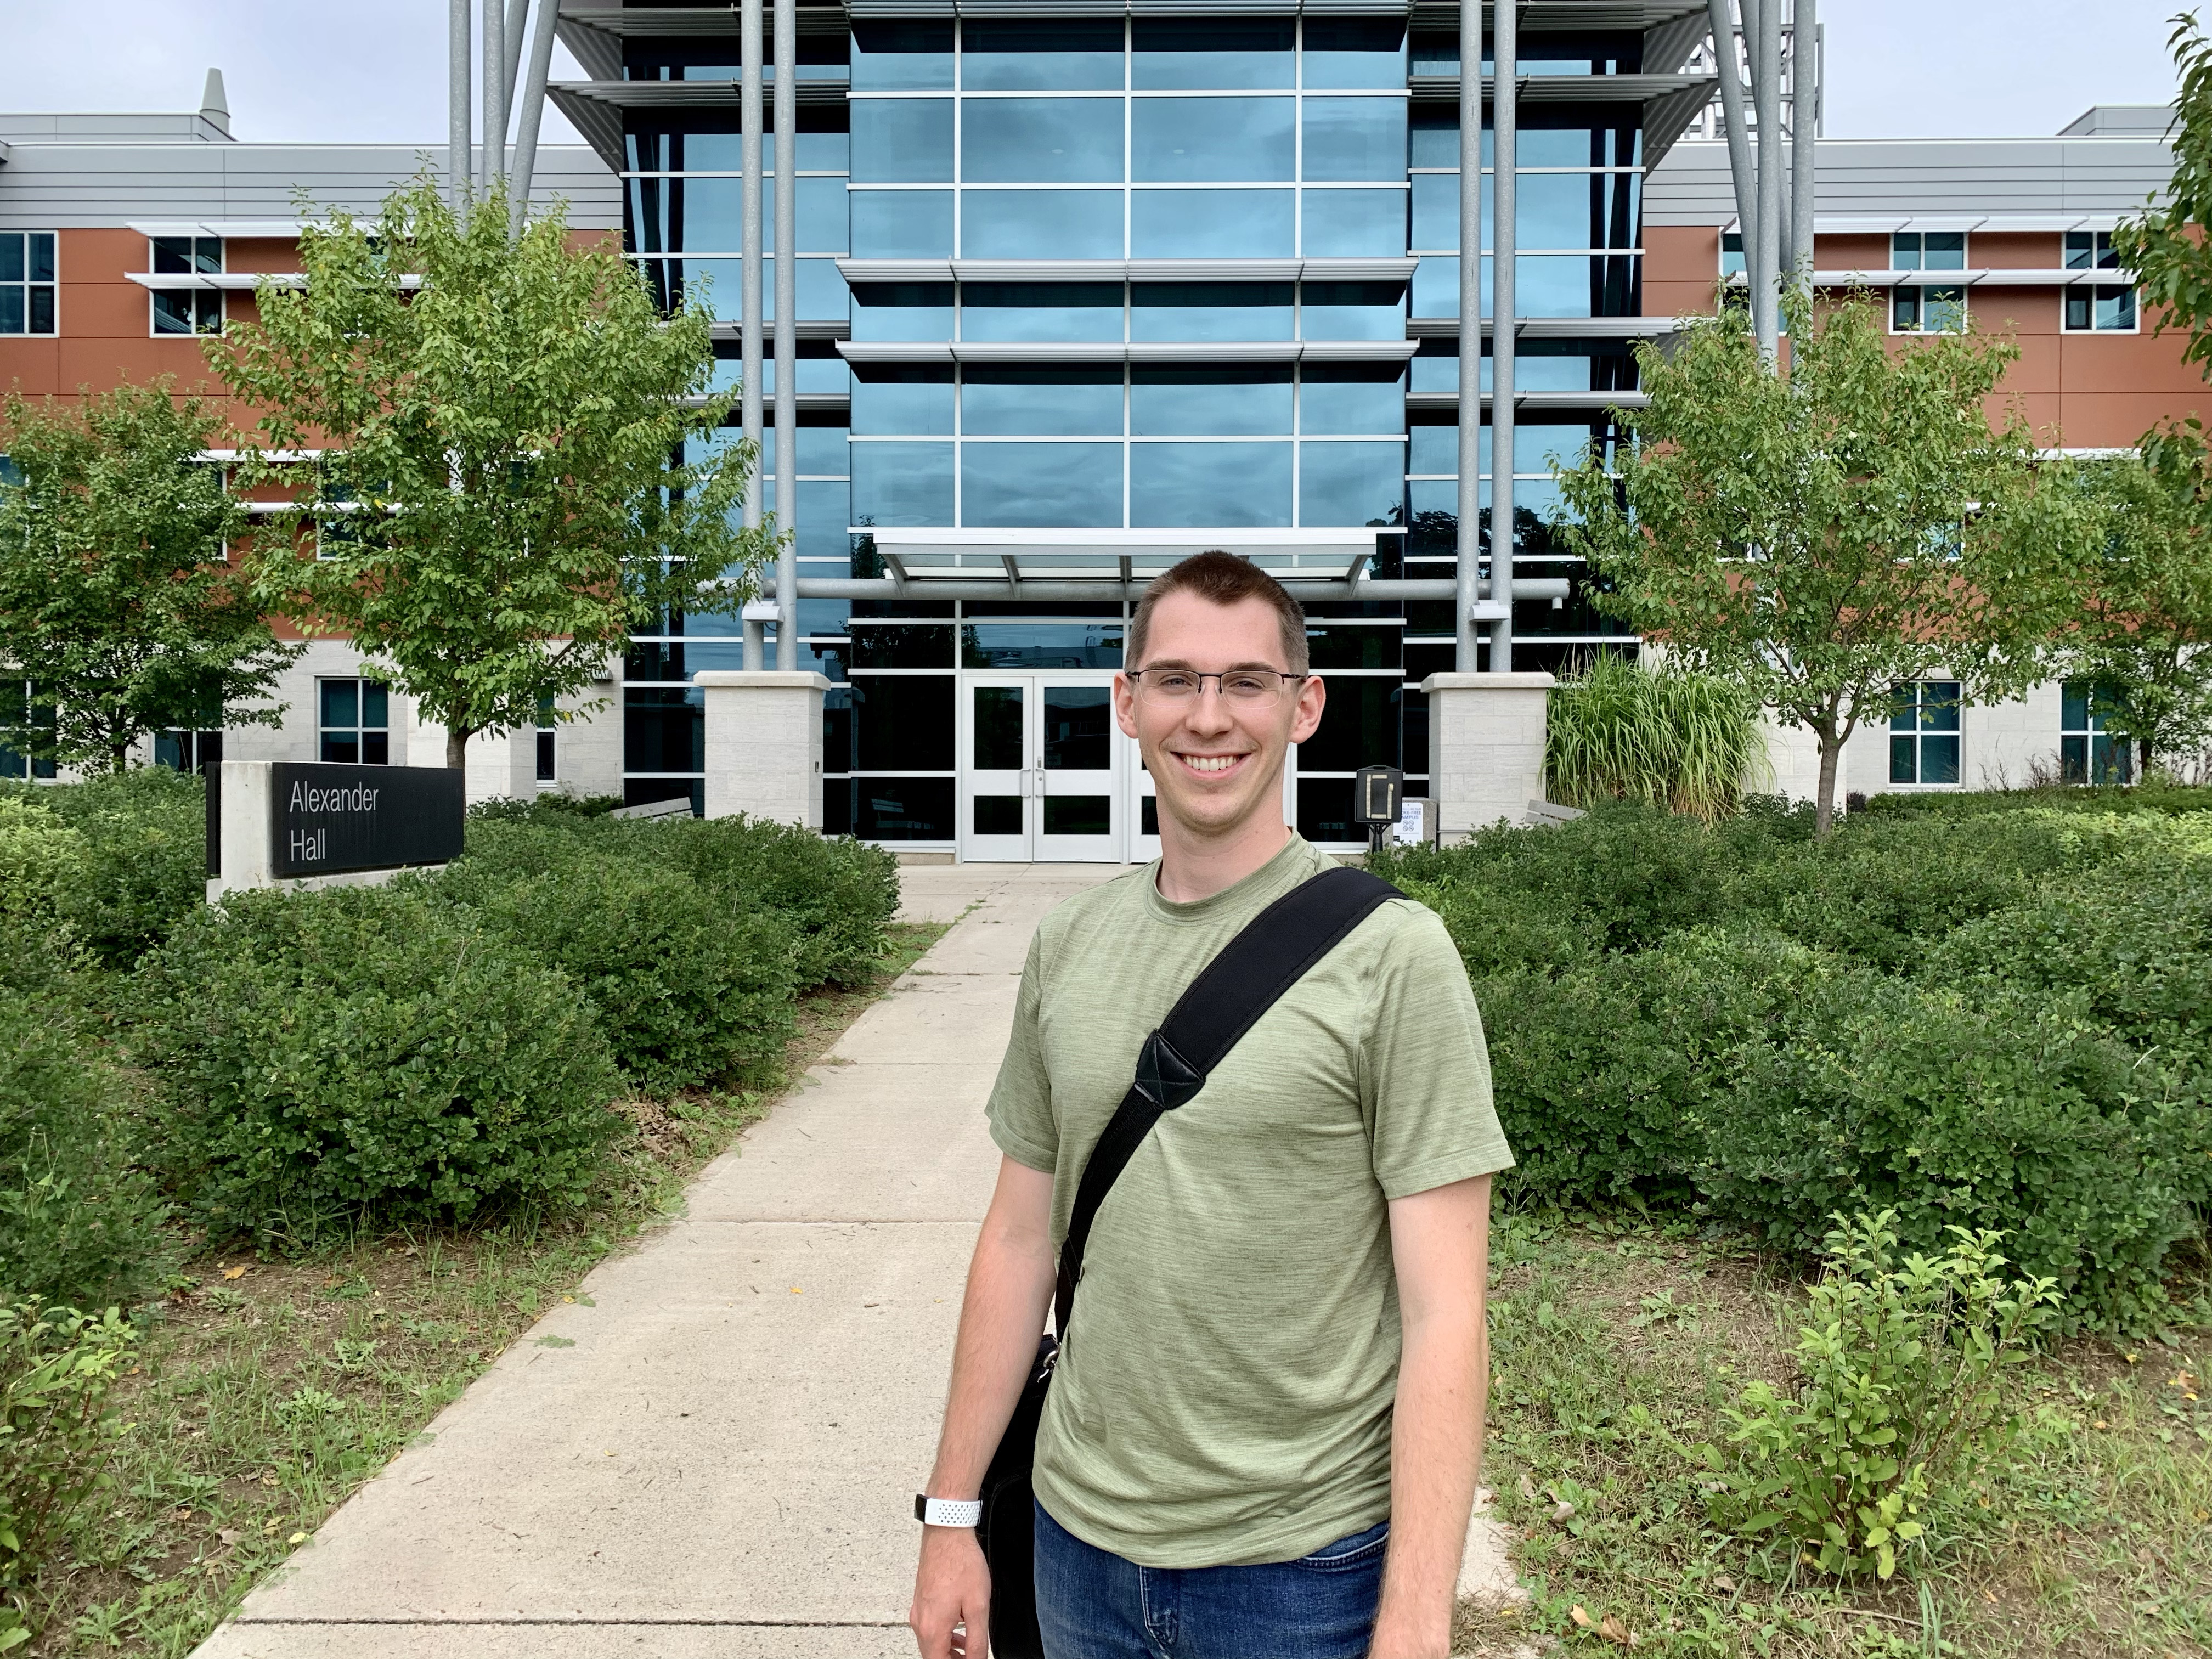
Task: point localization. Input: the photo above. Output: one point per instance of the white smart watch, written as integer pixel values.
(947, 1511)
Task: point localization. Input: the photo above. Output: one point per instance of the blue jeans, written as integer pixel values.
(1094, 1604)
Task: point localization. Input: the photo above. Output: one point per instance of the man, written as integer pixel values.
(1261, 1441)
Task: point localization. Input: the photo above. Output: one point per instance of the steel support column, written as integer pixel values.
(1504, 308)
(1468, 544)
(1766, 98)
(494, 168)
(1804, 134)
(1721, 15)
(786, 334)
(460, 163)
(533, 108)
(748, 30)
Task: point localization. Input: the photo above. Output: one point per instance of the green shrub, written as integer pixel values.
(362, 1055)
(1900, 1404)
(2149, 798)
(55, 1432)
(79, 1223)
(142, 863)
(1618, 731)
(38, 856)
(1602, 1075)
(688, 987)
(840, 894)
(2003, 1112)
(2131, 940)
(549, 805)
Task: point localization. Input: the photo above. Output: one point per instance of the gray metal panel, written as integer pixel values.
(105, 129)
(1569, 88)
(1552, 16)
(1921, 178)
(96, 187)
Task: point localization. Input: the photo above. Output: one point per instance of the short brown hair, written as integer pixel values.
(1223, 579)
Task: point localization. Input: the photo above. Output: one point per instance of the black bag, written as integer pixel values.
(1271, 955)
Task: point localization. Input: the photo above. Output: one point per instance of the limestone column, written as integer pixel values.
(763, 744)
(1485, 748)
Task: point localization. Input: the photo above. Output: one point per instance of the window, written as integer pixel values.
(1208, 400)
(1217, 140)
(188, 310)
(1187, 485)
(898, 141)
(187, 751)
(1732, 260)
(1207, 53)
(2091, 250)
(1026, 141)
(1077, 485)
(547, 751)
(1927, 310)
(27, 281)
(2104, 308)
(1927, 250)
(1021, 400)
(1210, 311)
(1924, 733)
(1354, 223)
(2086, 752)
(19, 708)
(1354, 139)
(1210, 224)
(902, 224)
(1023, 54)
(356, 722)
(1041, 224)
(1041, 311)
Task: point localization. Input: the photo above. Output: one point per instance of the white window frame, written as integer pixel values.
(154, 330)
(26, 285)
(359, 682)
(1917, 735)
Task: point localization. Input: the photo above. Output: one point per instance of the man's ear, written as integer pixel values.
(1124, 705)
(1313, 698)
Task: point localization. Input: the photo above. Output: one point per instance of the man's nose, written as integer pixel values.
(1209, 710)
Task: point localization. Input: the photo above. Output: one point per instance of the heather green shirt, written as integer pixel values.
(1225, 1394)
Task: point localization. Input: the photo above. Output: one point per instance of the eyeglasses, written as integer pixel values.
(1250, 686)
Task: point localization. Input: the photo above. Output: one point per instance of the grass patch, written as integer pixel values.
(1614, 1346)
(265, 1392)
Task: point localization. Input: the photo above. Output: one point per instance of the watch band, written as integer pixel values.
(947, 1511)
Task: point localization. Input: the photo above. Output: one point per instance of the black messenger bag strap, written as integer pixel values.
(1273, 953)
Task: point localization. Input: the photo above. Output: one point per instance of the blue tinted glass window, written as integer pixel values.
(1206, 54)
(902, 484)
(1048, 485)
(1534, 443)
(1349, 51)
(1554, 209)
(703, 215)
(1204, 140)
(1352, 397)
(1023, 54)
(1207, 400)
(1210, 311)
(902, 57)
(899, 141)
(1551, 146)
(820, 152)
(1433, 449)
(1354, 139)
(823, 295)
(1210, 224)
(1553, 287)
(902, 399)
(903, 311)
(1041, 224)
(1436, 286)
(1351, 483)
(1353, 311)
(1060, 400)
(1344, 224)
(1436, 211)
(823, 221)
(1432, 140)
(822, 451)
(1020, 141)
(901, 224)
(1041, 311)
(825, 510)
(1174, 485)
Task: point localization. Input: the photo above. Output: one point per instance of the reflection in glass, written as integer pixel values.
(1211, 53)
(902, 484)
(1205, 400)
(998, 815)
(1062, 485)
(1075, 54)
(1041, 224)
(1554, 210)
(1019, 140)
(1352, 397)
(1355, 51)
(1209, 140)
(996, 743)
(1353, 311)
(1356, 483)
(898, 400)
(882, 645)
(1078, 815)
(1047, 401)
(902, 57)
(1078, 729)
(1210, 224)
(1215, 485)
(1041, 311)
(901, 224)
(1041, 645)
(1353, 139)
(1210, 311)
(902, 141)
(903, 311)
(1349, 224)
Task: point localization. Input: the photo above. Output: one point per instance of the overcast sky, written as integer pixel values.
(375, 69)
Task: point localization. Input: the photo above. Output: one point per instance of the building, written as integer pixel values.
(2015, 233)
(1079, 291)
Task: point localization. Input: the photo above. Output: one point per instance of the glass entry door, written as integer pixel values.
(1041, 769)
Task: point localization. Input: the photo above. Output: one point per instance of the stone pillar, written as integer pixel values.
(763, 744)
(1485, 748)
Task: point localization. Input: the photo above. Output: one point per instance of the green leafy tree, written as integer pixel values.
(2165, 247)
(2144, 635)
(1822, 533)
(117, 599)
(515, 462)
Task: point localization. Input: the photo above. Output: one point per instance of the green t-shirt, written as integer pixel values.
(1225, 1396)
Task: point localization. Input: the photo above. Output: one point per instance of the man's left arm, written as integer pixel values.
(1440, 1241)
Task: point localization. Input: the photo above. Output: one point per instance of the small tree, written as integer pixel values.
(503, 492)
(1822, 534)
(118, 599)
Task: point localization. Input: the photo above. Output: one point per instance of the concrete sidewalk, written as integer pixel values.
(715, 1450)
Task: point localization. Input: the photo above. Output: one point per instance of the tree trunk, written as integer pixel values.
(2143, 759)
(1824, 804)
(456, 747)
(119, 757)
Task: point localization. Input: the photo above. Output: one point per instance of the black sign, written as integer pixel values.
(1377, 794)
(326, 819)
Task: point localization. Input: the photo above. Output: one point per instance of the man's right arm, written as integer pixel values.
(1010, 1282)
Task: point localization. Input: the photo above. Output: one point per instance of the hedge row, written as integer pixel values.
(1998, 1019)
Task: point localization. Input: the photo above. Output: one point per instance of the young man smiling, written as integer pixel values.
(1263, 1442)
